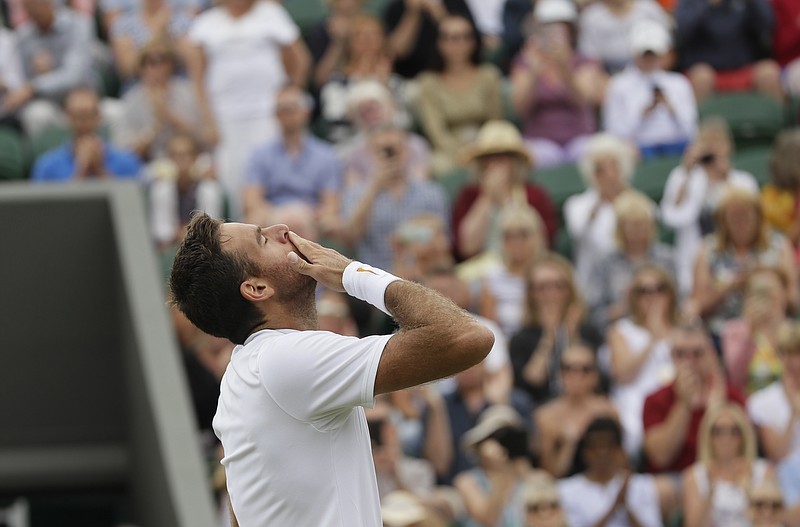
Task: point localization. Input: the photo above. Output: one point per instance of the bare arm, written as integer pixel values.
(474, 227)
(297, 62)
(401, 40)
(778, 443)
(484, 507)
(625, 366)
(697, 508)
(126, 56)
(196, 65)
(437, 449)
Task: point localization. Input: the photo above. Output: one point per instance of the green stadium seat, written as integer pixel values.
(50, 138)
(754, 119)
(560, 182)
(651, 175)
(755, 161)
(12, 155)
(454, 181)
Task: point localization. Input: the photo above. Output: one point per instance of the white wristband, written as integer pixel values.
(367, 283)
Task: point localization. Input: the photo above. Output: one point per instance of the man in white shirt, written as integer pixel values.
(647, 105)
(290, 416)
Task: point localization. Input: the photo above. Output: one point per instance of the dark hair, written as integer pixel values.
(437, 61)
(205, 279)
(599, 425)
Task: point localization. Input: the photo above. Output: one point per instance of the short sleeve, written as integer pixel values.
(198, 31)
(281, 24)
(312, 375)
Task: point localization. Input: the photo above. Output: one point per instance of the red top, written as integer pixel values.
(537, 198)
(656, 409)
(786, 39)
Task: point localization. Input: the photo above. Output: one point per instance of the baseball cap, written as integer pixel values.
(547, 11)
(648, 35)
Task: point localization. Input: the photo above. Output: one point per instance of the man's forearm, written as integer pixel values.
(664, 441)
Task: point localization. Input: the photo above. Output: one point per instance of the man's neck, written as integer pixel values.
(293, 141)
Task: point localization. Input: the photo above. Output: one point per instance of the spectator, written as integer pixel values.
(373, 209)
(159, 106)
(749, 344)
(637, 244)
(150, 20)
(329, 38)
(459, 95)
(563, 421)
(672, 415)
(11, 75)
(607, 168)
(112, 10)
(297, 178)
(15, 16)
(554, 318)
(54, 47)
(542, 505)
(640, 348)
(371, 105)
(606, 29)
(421, 248)
(766, 506)
(365, 60)
(242, 53)
(502, 165)
(412, 27)
(741, 242)
(775, 409)
(786, 42)
(503, 283)
(181, 184)
(403, 509)
(647, 104)
(334, 315)
(715, 487)
(86, 155)
(693, 191)
(724, 44)
(555, 90)
(493, 490)
(779, 198)
(604, 491)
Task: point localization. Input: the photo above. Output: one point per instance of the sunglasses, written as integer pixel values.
(155, 59)
(688, 353)
(773, 505)
(544, 285)
(516, 234)
(584, 369)
(543, 506)
(651, 290)
(463, 36)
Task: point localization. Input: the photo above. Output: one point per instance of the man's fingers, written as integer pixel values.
(300, 265)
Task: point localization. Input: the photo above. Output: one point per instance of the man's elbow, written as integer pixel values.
(478, 341)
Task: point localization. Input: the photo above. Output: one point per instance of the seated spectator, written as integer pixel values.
(458, 95)
(693, 191)
(637, 244)
(150, 20)
(715, 487)
(403, 509)
(112, 10)
(237, 74)
(775, 409)
(493, 490)
(741, 242)
(786, 42)
(159, 106)
(562, 422)
(724, 47)
(542, 505)
(12, 76)
(365, 59)
(86, 155)
(647, 104)
(54, 47)
(672, 415)
(181, 184)
(749, 344)
(766, 506)
(789, 478)
(554, 318)
(370, 105)
(604, 491)
(555, 90)
(297, 178)
(502, 165)
(373, 209)
(607, 169)
(413, 30)
(640, 349)
(334, 315)
(780, 197)
(502, 295)
(606, 29)
(328, 39)
(421, 248)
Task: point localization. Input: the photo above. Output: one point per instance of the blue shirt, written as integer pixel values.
(287, 178)
(58, 164)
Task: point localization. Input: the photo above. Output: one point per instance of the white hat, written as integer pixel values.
(547, 11)
(648, 35)
(494, 418)
(401, 508)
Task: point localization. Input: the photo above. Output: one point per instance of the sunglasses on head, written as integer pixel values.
(651, 290)
(543, 506)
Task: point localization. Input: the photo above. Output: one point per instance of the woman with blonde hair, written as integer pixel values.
(640, 348)
(554, 318)
(542, 503)
(742, 241)
(637, 244)
(715, 487)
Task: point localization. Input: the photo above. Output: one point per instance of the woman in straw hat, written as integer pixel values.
(502, 164)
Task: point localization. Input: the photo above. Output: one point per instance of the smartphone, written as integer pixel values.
(706, 159)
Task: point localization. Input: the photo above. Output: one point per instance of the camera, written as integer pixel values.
(705, 159)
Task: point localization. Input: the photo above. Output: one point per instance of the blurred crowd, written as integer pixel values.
(646, 366)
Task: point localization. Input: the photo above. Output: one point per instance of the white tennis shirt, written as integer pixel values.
(297, 447)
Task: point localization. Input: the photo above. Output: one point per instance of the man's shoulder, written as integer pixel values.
(663, 396)
(54, 164)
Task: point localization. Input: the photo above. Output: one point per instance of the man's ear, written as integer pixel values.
(256, 289)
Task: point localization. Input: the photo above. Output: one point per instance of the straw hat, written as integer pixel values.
(492, 419)
(497, 137)
(401, 509)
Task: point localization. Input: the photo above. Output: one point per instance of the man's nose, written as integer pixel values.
(278, 232)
